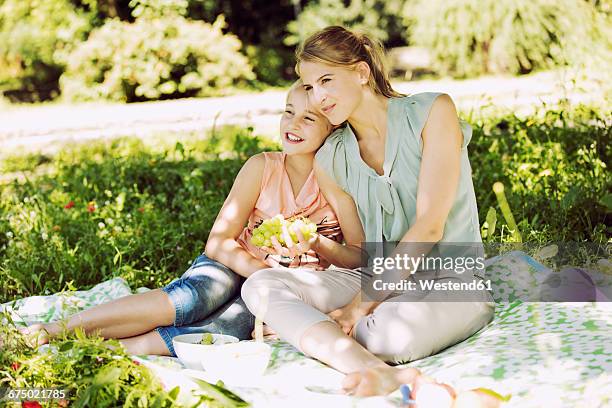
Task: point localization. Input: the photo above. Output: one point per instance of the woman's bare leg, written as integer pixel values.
(369, 375)
(121, 318)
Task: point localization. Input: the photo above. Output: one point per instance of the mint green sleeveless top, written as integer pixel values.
(387, 204)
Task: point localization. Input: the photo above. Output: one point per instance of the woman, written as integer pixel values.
(403, 160)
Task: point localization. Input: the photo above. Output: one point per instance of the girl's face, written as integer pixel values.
(303, 130)
(334, 91)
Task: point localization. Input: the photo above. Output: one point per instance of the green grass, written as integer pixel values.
(144, 212)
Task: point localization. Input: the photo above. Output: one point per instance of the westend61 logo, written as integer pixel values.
(432, 272)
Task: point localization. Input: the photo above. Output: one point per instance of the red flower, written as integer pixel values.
(56, 228)
(30, 404)
(15, 366)
(91, 207)
(69, 205)
(141, 209)
(136, 362)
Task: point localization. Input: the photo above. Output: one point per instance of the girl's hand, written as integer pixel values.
(292, 250)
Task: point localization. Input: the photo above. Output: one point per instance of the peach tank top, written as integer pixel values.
(276, 197)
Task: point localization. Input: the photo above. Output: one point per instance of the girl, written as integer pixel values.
(404, 162)
(205, 298)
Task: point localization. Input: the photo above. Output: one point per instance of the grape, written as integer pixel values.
(207, 339)
(273, 227)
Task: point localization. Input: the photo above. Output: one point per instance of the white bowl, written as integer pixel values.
(189, 350)
(238, 362)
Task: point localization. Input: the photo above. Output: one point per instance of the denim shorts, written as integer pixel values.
(207, 299)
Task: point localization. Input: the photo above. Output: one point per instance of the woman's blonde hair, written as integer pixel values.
(338, 46)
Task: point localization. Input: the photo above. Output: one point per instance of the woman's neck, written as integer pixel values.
(369, 120)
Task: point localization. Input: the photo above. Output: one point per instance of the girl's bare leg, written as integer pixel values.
(121, 318)
(148, 343)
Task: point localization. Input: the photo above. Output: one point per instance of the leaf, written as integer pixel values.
(180, 148)
(504, 398)
(66, 346)
(570, 198)
(606, 201)
(491, 220)
(547, 252)
(222, 396)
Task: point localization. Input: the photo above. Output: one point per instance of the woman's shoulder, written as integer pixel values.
(328, 152)
(418, 107)
(419, 101)
(333, 141)
(331, 156)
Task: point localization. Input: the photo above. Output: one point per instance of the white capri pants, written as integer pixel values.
(294, 299)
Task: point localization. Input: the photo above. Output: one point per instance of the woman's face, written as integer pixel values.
(335, 91)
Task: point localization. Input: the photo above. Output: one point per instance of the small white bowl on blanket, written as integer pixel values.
(191, 353)
(238, 362)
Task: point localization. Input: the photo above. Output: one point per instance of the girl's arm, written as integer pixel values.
(350, 254)
(233, 216)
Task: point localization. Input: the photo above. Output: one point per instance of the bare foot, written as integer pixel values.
(379, 380)
(36, 334)
(426, 392)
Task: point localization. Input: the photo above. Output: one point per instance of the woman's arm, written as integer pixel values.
(350, 254)
(439, 173)
(233, 216)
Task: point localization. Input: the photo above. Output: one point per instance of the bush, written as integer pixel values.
(380, 19)
(473, 37)
(155, 58)
(261, 26)
(35, 36)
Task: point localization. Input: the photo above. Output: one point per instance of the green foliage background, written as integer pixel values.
(155, 59)
(473, 37)
(50, 47)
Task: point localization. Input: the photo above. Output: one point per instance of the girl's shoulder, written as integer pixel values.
(273, 156)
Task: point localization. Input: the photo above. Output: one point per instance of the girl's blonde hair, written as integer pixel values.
(338, 46)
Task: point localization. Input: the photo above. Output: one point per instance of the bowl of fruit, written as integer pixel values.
(192, 349)
(238, 363)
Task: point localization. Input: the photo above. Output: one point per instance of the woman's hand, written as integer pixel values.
(348, 316)
(292, 250)
(268, 333)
